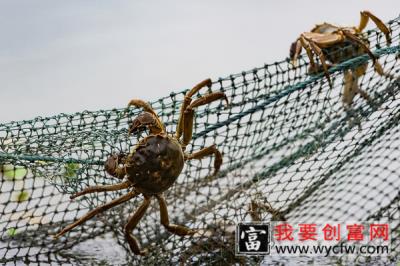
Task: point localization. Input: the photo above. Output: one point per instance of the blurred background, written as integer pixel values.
(70, 56)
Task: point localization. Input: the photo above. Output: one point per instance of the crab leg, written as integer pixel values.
(133, 221)
(365, 16)
(173, 228)
(97, 210)
(377, 65)
(364, 94)
(88, 190)
(351, 88)
(306, 46)
(295, 51)
(379, 69)
(255, 209)
(146, 107)
(321, 56)
(206, 152)
(186, 103)
(355, 39)
(189, 114)
(360, 70)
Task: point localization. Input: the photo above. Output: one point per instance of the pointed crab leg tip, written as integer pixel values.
(144, 252)
(216, 171)
(193, 231)
(208, 82)
(388, 40)
(328, 78)
(226, 102)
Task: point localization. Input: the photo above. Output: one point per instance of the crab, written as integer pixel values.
(153, 165)
(333, 45)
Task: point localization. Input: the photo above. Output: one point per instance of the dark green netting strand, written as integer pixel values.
(286, 140)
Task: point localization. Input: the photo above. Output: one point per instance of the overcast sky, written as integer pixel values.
(69, 56)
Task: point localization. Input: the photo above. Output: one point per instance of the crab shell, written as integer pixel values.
(340, 51)
(155, 164)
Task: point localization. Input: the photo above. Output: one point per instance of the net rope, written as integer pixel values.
(287, 142)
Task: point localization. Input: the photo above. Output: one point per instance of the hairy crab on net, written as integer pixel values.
(288, 140)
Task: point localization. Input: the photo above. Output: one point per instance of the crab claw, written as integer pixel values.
(143, 121)
(112, 166)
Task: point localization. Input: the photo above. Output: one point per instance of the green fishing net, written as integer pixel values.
(287, 142)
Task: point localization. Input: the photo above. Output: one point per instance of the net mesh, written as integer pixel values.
(287, 143)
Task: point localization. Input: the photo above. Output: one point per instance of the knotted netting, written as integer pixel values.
(287, 143)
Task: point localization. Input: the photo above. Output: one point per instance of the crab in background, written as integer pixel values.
(334, 44)
(153, 165)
